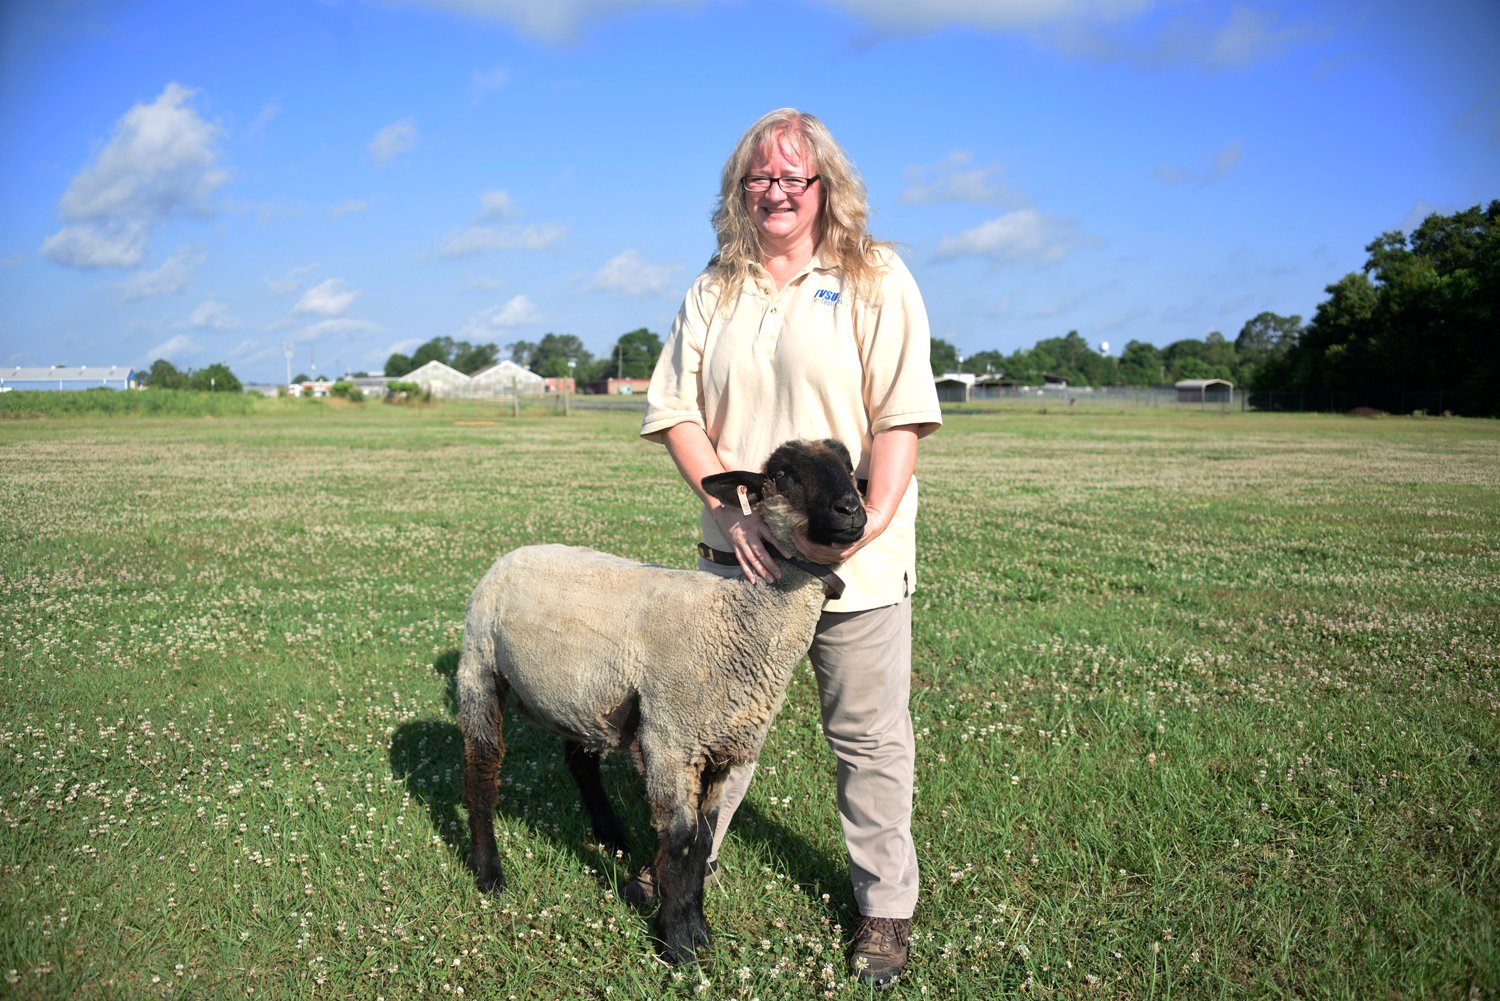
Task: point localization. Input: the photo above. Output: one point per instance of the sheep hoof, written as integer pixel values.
(488, 875)
(688, 946)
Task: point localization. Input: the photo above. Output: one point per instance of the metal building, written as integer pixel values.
(67, 377)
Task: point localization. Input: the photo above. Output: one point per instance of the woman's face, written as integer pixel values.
(785, 221)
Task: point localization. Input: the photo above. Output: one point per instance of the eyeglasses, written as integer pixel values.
(788, 185)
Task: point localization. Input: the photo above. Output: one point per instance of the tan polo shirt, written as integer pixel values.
(805, 361)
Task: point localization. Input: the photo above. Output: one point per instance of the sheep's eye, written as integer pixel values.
(780, 474)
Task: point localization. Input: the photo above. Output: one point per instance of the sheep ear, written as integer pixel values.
(725, 487)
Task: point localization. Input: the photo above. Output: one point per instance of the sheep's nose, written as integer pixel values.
(847, 505)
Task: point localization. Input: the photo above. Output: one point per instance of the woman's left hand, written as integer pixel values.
(875, 523)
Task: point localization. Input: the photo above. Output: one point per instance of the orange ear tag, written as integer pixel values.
(744, 500)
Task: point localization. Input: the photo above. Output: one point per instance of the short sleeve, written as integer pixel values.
(896, 348)
(675, 395)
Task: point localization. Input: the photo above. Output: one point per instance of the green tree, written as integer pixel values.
(944, 357)
(634, 355)
(1421, 315)
(1262, 342)
(1335, 351)
(216, 377)
(470, 358)
(1211, 358)
(523, 353)
(437, 349)
(164, 375)
(1069, 357)
(553, 353)
(1141, 364)
(981, 362)
(398, 365)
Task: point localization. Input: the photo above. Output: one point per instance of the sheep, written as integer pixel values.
(682, 669)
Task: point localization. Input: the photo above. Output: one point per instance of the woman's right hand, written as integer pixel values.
(751, 539)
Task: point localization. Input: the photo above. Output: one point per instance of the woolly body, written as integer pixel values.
(684, 669)
(603, 651)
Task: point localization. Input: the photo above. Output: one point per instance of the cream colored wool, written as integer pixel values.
(577, 633)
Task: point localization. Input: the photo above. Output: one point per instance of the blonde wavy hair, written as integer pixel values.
(843, 210)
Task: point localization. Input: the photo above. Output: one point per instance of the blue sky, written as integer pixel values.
(208, 182)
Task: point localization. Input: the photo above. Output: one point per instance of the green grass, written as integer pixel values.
(1207, 708)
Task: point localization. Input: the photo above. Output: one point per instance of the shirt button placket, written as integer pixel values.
(770, 327)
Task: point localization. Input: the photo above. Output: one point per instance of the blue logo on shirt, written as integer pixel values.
(827, 295)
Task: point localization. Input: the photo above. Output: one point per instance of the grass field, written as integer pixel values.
(1208, 707)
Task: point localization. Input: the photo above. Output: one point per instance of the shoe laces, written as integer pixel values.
(884, 933)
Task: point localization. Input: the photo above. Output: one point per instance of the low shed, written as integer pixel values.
(954, 387)
(1204, 391)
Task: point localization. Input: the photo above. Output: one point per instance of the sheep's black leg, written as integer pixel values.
(584, 764)
(680, 865)
(481, 792)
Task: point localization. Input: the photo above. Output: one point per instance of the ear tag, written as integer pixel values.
(744, 500)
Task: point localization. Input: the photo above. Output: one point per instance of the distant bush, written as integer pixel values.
(346, 390)
(397, 391)
(149, 402)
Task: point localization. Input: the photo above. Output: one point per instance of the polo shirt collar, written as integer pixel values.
(818, 262)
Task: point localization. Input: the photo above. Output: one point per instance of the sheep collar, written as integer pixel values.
(833, 584)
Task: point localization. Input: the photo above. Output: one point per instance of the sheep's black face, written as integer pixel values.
(816, 479)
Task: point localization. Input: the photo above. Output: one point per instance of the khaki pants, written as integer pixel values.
(862, 661)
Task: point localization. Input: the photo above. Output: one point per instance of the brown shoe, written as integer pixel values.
(878, 954)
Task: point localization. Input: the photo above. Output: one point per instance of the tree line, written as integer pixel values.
(555, 356)
(1419, 316)
(215, 378)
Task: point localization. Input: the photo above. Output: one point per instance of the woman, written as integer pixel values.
(803, 327)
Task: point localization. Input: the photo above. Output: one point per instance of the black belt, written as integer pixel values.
(832, 582)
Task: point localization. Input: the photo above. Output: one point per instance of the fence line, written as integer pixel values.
(1395, 401)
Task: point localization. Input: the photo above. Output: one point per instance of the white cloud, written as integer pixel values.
(482, 239)
(403, 347)
(1220, 166)
(250, 351)
(174, 275)
(97, 245)
(1419, 212)
(988, 15)
(486, 82)
(488, 324)
(393, 141)
(327, 298)
(629, 273)
(1023, 236)
(955, 179)
(1191, 36)
(555, 20)
(211, 315)
(1483, 116)
(484, 283)
(339, 326)
(267, 114)
(161, 161)
(1148, 33)
(174, 350)
(291, 282)
(348, 207)
(277, 209)
(495, 204)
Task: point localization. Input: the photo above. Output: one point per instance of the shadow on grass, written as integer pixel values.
(428, 756)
